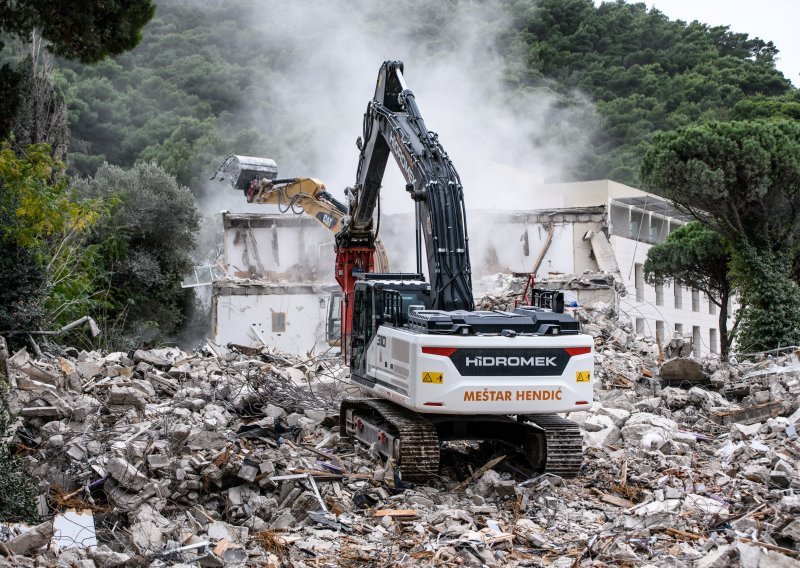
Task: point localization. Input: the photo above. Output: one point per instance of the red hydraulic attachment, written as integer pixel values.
(349, 262)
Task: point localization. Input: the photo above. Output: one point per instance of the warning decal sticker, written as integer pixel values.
(583, 376)
(433, 378)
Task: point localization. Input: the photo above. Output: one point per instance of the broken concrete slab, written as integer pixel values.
(127, 396)
(748, 415)
(126, 475)
(682, 371)
(32, 539)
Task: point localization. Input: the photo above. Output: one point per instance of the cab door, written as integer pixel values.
(363, 330)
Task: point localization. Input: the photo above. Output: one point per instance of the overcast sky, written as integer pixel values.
(771, 20)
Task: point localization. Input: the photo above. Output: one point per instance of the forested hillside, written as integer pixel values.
(193, 90)
(173, 98)
(643, 71)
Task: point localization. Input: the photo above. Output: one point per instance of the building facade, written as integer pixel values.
(592, 244)
(277, 285)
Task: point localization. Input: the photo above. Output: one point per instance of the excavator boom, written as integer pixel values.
(257, 178)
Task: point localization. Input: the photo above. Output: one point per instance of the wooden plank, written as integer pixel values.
(614, 500)
(478, 472)
(780, 549)
(683, 534)
(395, 513)
(618, 501)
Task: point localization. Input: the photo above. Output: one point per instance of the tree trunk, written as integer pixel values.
(724, 340)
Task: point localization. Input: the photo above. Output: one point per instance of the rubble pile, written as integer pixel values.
(233, 457)
(498, 291)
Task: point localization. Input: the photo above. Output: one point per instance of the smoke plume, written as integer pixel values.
(327, 55)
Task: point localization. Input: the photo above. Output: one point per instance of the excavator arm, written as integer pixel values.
(393, 125)
(257, 178)
(306, 193)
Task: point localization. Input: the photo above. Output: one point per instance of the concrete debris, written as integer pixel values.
(232, 457)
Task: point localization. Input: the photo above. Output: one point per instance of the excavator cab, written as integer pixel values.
(382, 299)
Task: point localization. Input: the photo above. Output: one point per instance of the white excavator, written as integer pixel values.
(432, 368)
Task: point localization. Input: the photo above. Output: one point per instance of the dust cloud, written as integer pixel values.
(327, 56)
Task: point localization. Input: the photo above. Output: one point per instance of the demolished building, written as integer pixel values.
(589, 239)
(593, 245)
(277, 287)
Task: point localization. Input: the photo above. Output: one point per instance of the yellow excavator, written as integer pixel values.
(257, 177)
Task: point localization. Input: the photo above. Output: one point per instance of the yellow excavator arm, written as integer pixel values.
(308, 195)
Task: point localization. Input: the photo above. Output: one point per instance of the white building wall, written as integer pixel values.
(285, 244)
(503, 241)
(507, 242)
(297, 257)
(629, 253)
(256, 317)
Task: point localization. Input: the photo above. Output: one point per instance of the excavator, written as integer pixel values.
(257, 178)
(433, 368)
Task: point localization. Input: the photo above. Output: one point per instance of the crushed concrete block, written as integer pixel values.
(104, 556)
(682, 371)
(152, 357)
(675, 398)
(316, 415)
(607, 437)
(207, 440)
(89, 369)
(649, 431)
(126, 475)
(722, 557)
(749, 414)
(293, 419)
(275, 412)
(597, 423)
(32, 539)
(762, 396)
(617, 415)
(744, 431)
(219, 530)
(705, 505)
(283, 521)
(158, 461)
(147, 537)
(619, 338)
(248, 473)
(651, 404)
(755, 472)
(127, 395)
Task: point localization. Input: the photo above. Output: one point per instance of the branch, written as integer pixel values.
(93, 327)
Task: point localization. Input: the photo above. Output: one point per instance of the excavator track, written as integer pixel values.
(563, 443)
(417, 449)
